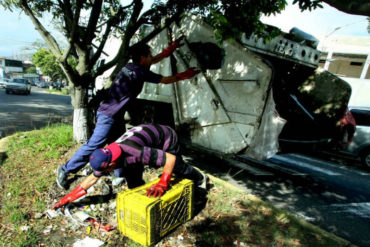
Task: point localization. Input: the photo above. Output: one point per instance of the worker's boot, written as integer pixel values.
(62, 178)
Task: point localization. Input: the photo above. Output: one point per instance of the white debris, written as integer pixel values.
(82, 216)
(25, 228)
(51, 213)
(9, 194)
(38, 215)
(88, 242)
(113, 205)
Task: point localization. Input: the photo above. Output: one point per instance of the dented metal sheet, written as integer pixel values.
(223, 106)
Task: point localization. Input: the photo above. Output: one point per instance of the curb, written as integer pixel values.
(3, 148)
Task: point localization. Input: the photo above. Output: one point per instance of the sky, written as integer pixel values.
(17, 31)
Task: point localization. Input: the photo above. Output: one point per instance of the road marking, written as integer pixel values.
(304, 165)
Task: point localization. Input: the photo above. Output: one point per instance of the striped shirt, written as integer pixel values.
(147, 144)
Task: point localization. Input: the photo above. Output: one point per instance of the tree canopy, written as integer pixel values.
(48, 64)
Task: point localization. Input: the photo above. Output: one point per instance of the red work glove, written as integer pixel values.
(171, 48)
(187, 74)
(75, 194)
(157, 190)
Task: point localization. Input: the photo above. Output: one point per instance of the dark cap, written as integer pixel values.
(102, 157)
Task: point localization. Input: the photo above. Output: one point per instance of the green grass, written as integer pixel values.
(28, 172)
(229, 216)
(63, 91)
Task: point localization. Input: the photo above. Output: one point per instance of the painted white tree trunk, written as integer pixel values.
(80, 125)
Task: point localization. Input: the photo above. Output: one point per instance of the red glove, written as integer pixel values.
(171, 48)
(75, 194)
(187, 74)
(157, 190)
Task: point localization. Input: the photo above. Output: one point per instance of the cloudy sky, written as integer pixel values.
(17, 31)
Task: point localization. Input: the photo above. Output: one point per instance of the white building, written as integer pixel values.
(349, 58)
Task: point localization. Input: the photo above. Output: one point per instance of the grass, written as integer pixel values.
(230, 217)
(63, 91)
(27, 174)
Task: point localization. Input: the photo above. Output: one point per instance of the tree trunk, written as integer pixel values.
(81, 114)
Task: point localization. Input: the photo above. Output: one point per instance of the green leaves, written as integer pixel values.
(308, 4)
(44, 59)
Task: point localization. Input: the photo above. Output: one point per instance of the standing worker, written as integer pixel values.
(126, 87)
(152, 145)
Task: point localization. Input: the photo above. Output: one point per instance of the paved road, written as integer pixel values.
(28, 112)
(331, 196)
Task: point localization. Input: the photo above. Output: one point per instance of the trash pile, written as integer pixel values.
(92, 220)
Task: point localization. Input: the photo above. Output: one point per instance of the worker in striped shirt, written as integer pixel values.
(150, 145)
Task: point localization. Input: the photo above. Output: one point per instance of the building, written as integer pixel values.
(349, 57)
(346, 56)
(10, 68)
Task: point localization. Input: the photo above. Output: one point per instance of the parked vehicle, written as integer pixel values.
(229, 108)
(359, 147)
(43, 85)
(18, 85)
(3, 82)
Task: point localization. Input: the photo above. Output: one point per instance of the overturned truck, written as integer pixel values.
(248, 93)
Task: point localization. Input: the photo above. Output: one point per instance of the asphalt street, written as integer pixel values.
(28, 112)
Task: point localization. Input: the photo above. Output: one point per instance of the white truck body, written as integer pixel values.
(224, 107)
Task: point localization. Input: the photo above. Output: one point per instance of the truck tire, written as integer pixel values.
(7, 91)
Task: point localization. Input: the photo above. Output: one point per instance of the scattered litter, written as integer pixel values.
(9, 194)
(47, 230)
(113, 205)
(82, 216)
(76, 222)
(38, 215)
(102, 228)
(84, 208)
(51, 213)
(88, 230)
(25, 228)
(88, 242)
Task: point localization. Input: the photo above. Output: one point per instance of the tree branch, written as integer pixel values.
(74, 30)
(49, 39)
(93, 21)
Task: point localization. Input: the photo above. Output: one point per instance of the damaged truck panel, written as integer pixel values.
(224, 104)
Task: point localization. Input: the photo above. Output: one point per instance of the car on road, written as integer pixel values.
(18, 85)
(3, 82)
(360, 144)
(43, 85)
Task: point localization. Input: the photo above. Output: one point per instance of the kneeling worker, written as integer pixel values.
(148, 144)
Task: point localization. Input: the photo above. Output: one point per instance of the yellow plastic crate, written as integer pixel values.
(146, 220)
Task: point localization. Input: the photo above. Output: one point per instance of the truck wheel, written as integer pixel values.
(365, 158)
(6, 91)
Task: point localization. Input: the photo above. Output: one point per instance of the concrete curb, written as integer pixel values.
(3, 148)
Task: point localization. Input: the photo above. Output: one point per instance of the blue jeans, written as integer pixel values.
(105, 128)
